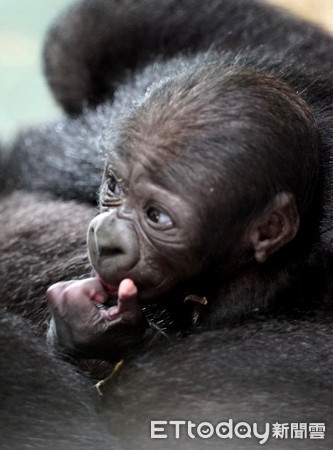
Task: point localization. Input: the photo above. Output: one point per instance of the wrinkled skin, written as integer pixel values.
(144, 232)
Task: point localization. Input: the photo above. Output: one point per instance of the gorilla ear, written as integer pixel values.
(275, 227)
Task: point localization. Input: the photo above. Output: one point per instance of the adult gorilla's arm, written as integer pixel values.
(95, 48)
(95, 45)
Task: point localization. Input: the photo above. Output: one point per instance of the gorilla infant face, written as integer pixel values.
(144, 232)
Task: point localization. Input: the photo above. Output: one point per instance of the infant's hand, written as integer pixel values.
(82, 325)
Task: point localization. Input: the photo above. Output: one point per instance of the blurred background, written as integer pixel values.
(24, 97)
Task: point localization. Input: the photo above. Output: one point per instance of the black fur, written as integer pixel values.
(274, 371)
(264, 372)
(41, 241)
(290, 51)
(44, 403)
(100, 58)
(110, 63)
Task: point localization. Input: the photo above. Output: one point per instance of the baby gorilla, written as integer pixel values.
(203, 198)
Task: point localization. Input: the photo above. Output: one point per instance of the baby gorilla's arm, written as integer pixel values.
(82, 326)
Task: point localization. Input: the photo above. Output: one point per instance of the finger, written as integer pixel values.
(128, 304)
(76, 291)
(127, 296)
(75, 301)
(127, 290)
(55, 293)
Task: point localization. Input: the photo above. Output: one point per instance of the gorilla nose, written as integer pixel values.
(112, 245)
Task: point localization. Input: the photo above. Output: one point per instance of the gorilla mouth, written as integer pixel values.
(112, 292)
(109, 288)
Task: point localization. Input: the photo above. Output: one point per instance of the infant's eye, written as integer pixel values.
(114, 187)
(158, 217)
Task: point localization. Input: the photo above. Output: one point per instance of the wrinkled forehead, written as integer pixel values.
(168, 162)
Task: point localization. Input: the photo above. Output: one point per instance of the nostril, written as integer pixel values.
(110, 251)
